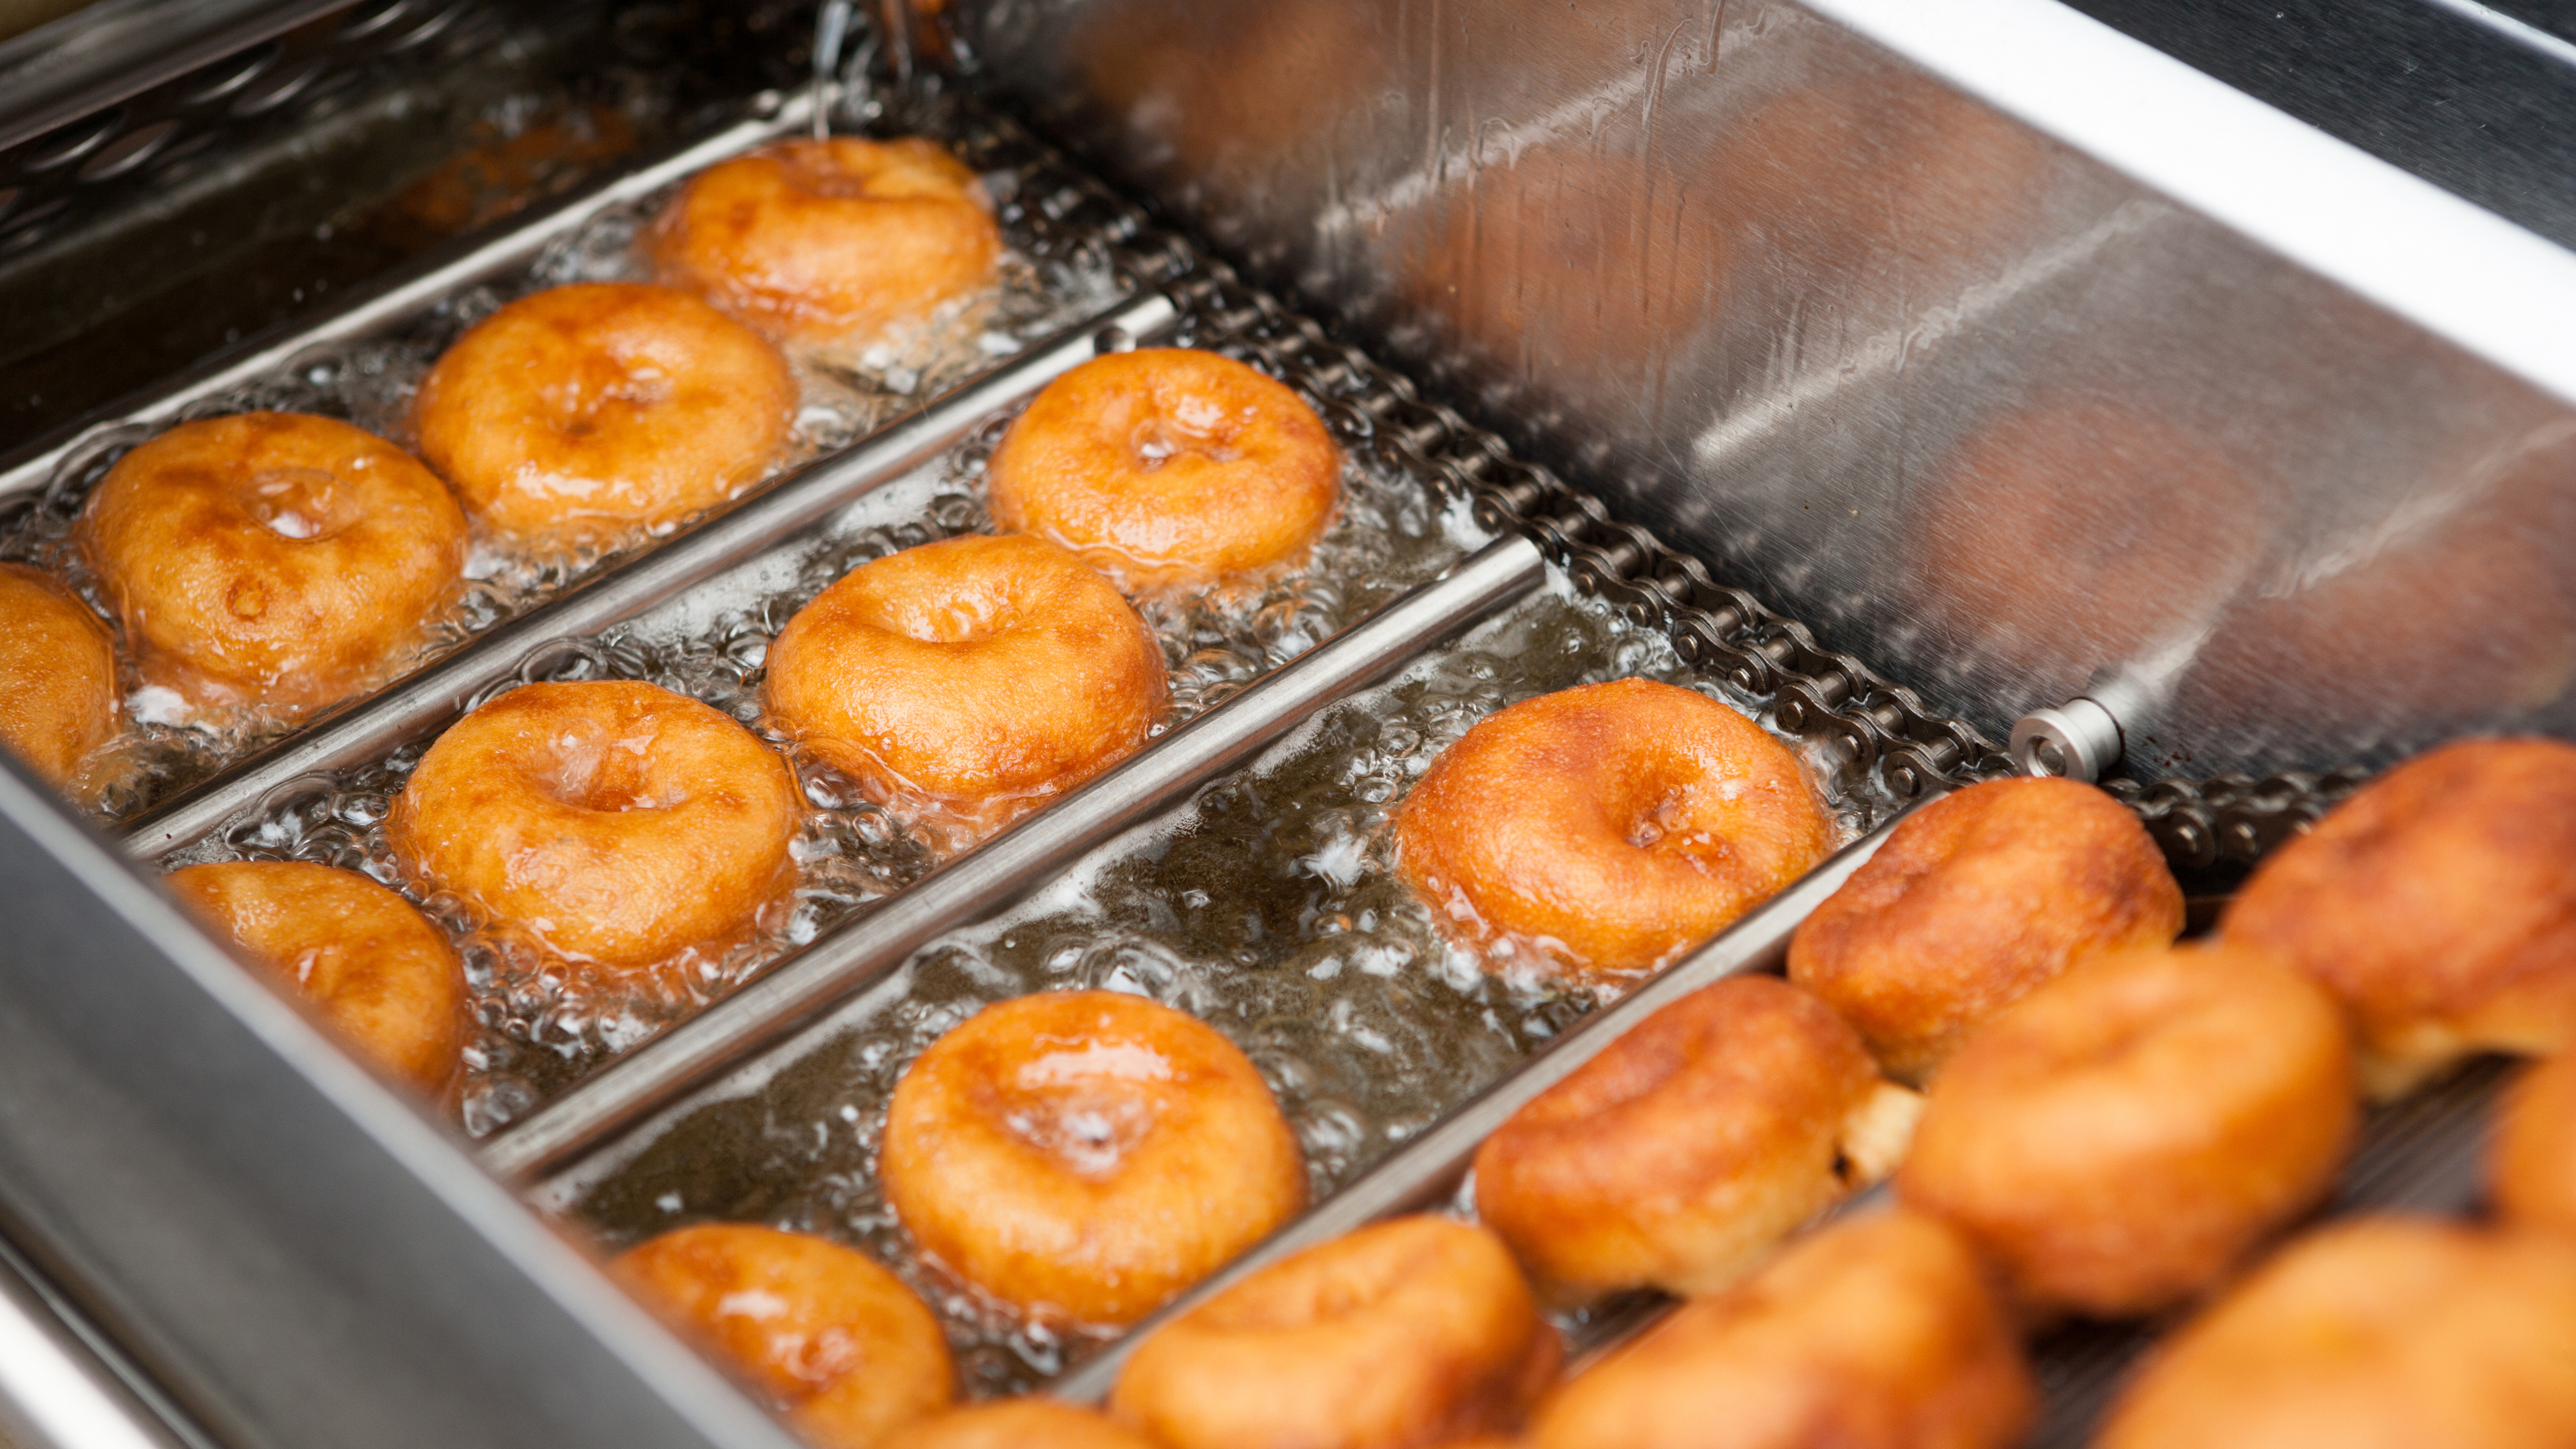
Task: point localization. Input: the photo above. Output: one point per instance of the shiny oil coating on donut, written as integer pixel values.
(273, 558)
(583, 415)
(384, 977)
(2123, 1137)
(1876, 1333)
(1613, 825)
(818, 1329)
(971, 669)
(1087, 1154)
(1029, 1423)
(1974, 900)
(58, 698)
(1169, 465)
(612, 822)
(1402, 1335)
(1683, 1152)
(2439, 903)
(824, 242)
(2373, 1333)
(2531, 1169)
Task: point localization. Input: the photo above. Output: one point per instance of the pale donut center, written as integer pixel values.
(607, 775)
(1087, 1105)
(1191, 427)
(606, 393)
(301, 505)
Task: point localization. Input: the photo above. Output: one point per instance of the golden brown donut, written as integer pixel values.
(273, 558)
(819, 1330)
(976, 671)
(583, 416)
(2373, 1333)
(1976, 899)
(1169, 465)
(612, 823)
(2531, 1170)
(1878, 1331)
(58, 698)
(1031, 1423)
(822, 243)
(2119, 1140)
(1679, 1156)
(2033, 548)
(1402, 1335)
(1087, 1154)
(384, 977)
(1612, 826)
(2439, 903)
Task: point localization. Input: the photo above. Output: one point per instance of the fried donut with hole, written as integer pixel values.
(615, 824)
(2439, 903)
(2123, 1137)
(1402, 1335)
(1613, 826)
(973, 671)
(2531, 1169)
(1679, 1156)
(819, 1330)
(380, 973)
(2372, 1333)
(1974, 900)
(584, 416)
(58, 699)
(273, 559)
(1030, 1423)
(1087, 1154)
(1168, 465)
(1876, 1333)
(820, 244)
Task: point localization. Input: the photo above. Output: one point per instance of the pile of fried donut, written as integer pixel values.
(612, 827)
(2079, 1115)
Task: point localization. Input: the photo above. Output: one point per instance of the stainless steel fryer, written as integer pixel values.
(244, 1240)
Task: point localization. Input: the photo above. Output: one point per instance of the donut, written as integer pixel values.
(1877, 1333)
(1168, 466)
(2126, 1134)
(612, 823)
(1086, 1155)
(2033, 548)
(1030, 1423)
(379, 972)
(1402, 1335)
(820, 244)
(583, 416)
(2531, 1170)
(1612, 826)
(2372, 1333)
(273, 558)
(974, 670)
(1973, 901)
(820, 1331)
(58, 697)
(2439, 903)
(1682, 1153)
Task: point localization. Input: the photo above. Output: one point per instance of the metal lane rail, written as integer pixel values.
(386, 720)
(406, 294)
(1426, 1172)
(798, 990)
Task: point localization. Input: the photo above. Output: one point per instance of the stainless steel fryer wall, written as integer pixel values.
(1994, 415)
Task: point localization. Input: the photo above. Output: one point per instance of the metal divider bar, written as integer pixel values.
(1426, 1172)
(389, 719)
(796, 991)
(518, 246)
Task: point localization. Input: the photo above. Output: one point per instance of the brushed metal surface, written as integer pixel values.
(2254, 455)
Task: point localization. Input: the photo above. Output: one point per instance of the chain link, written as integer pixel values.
(1810, 691)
